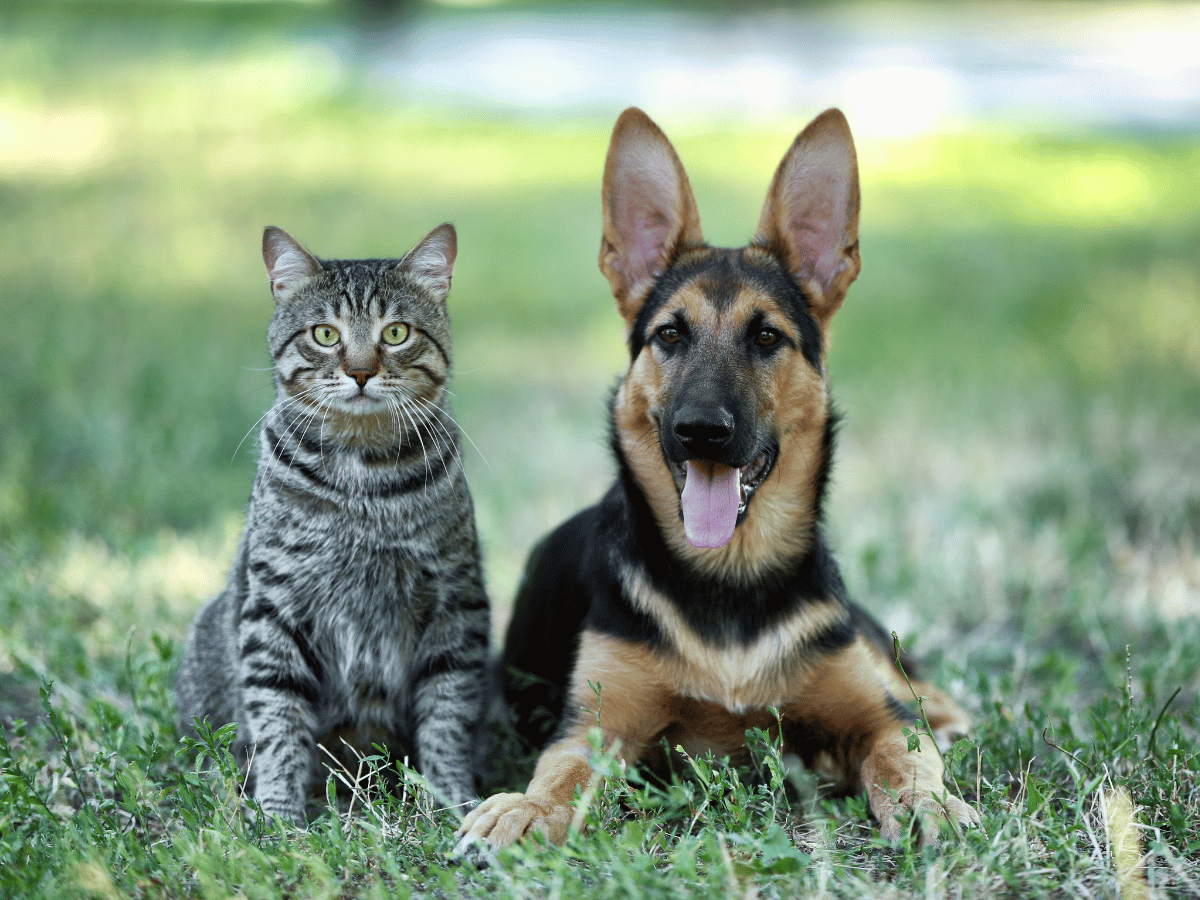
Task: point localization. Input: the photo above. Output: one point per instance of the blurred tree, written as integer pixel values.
(382, 13)
(381, 27)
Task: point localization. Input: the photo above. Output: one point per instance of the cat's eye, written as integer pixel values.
(326, 335)
(395, 334)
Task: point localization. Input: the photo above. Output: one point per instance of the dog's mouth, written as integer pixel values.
(715, 497)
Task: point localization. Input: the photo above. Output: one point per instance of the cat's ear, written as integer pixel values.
(432, 260)
(810, 219)
(288, 264)
(649, 213)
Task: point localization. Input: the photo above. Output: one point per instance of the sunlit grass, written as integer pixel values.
(1045, 182)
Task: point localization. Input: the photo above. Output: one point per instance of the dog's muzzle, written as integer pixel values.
(718, 481)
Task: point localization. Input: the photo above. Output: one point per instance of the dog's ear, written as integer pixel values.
(649, 211)
(810, 218)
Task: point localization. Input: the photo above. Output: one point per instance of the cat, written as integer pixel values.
(355, 610)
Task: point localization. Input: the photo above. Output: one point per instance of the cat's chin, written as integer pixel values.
(360, 405)
(360, 424)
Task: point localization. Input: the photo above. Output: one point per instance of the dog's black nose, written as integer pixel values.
(702, 427)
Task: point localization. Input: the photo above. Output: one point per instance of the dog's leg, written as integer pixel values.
(845, 710)
(902, 675)
(614, 685)
(897, 779)
(948, 720)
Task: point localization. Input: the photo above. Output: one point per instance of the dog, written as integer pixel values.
(699, 594)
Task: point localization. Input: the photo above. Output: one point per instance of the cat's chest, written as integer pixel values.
(369, 646)
(363, 595)
(370, 658)
(352, 551)
(369, 603)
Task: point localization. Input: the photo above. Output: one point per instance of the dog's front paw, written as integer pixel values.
(931, 811)
(504, 819)
(899, 781)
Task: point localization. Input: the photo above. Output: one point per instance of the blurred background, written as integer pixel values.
(1018, 484)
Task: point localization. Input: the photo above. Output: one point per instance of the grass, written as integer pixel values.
(1016, 490)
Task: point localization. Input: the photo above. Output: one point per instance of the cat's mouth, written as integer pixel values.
(359, 400)
(363, 405)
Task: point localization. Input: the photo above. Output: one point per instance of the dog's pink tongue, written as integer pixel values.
(710, 503)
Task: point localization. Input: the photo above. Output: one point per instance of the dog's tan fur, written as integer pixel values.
(691, 691)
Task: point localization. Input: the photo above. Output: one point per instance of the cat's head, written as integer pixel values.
(360, 337)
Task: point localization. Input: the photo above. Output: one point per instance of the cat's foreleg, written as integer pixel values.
(280, 688)
(448, 698)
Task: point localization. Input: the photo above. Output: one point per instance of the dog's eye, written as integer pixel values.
(767, 337)
(669, 334)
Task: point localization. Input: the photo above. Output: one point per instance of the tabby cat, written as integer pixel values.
(355, 610)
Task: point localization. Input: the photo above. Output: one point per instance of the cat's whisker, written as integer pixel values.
(417, 422)
(307, 421)
(440, 419)
(287, 416)
(397, 426)
(417, 429)
(249, 432)
(442, 427)
(321, 432)
(279, 405)
(441, 412)
(397, 423)
(430, 425)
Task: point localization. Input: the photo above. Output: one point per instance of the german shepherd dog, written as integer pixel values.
(699, 593)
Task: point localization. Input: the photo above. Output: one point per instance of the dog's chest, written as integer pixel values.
(739, 678)
(702, 726)
(740, 675)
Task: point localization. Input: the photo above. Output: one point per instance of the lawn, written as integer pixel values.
(1017, 490)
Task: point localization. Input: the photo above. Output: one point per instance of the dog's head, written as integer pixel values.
(722, 416)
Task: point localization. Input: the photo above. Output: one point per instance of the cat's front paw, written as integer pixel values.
(267, 812)
(504, 819)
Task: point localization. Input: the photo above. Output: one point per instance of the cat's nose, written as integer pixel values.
(361, 376)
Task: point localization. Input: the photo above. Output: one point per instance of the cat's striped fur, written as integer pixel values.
(355, 610)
